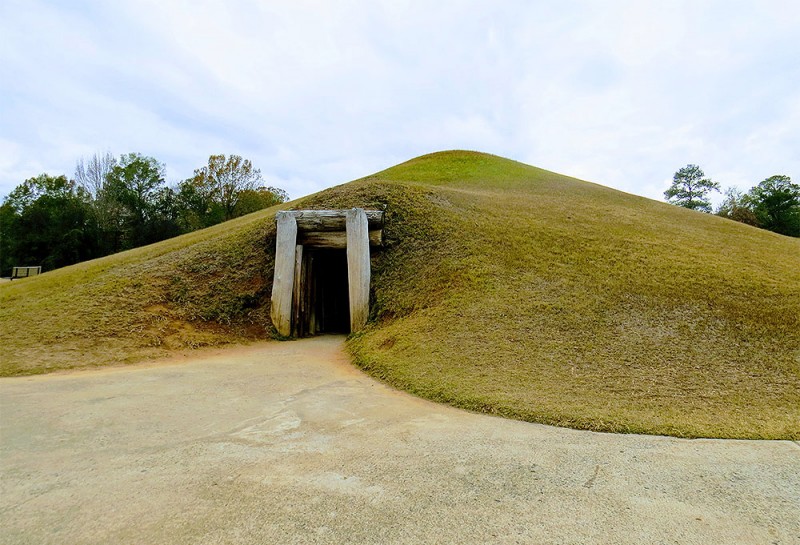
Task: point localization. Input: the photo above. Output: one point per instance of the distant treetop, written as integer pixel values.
(690, 189)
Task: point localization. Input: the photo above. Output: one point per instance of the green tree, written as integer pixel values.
(222, 182)
(252, 200)
(164, 219)
(29, 191)
(737, 207)
(776, 203)
(8, 220)
(197, 207)
(136, 187)
(46, 221)
(690, 189)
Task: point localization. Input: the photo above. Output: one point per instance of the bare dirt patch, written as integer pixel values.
(289, 443)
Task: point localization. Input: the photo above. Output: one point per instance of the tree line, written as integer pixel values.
(773, 204)
(113, 204)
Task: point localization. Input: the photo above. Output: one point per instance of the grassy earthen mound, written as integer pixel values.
(502, 288)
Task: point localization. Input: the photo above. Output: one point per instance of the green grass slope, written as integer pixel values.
(205, 288)
(503, 288)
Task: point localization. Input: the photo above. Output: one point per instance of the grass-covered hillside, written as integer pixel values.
(502, 288)
(205, 288)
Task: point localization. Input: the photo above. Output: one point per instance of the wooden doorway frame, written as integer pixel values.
(354, 230)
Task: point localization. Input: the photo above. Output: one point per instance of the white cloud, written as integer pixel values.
(317, 93)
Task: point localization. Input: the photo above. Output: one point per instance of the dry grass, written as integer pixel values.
(569, 303)
(205, 288)
(503, 288)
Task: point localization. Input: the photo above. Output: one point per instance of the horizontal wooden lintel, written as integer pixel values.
(330, 220)
(334, 239)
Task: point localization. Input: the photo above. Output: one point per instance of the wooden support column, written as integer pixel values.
(283, 283)
(358, 272)
(297, 292)
(309, 308)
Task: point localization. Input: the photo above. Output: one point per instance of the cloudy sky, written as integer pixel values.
(622, 93)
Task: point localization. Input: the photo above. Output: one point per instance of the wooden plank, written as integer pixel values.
(358, 267)
(310, 296)
(331, 220)
(297, 292)
(334, 239)
(283, 283)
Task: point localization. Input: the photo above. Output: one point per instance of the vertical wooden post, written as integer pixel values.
(297, 292)
(310, 294)
(358, 267)
(283, 283)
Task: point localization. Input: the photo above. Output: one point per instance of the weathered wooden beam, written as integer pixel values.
(297, 291)
(334, 239)
(283, 282)
(309, 295)
(331, 220)
(358, 268)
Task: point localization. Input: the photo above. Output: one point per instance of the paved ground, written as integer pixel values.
(286, 443)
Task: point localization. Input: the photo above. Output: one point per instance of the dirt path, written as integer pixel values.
(287, 443)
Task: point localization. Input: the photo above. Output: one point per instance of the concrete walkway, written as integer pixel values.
(287, 443)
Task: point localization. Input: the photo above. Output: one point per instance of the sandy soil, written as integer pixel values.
(287, 443)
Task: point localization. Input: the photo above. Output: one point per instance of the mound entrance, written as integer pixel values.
(322, 270)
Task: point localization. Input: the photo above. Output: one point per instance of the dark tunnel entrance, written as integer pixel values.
(325, 303)
(321, 279)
